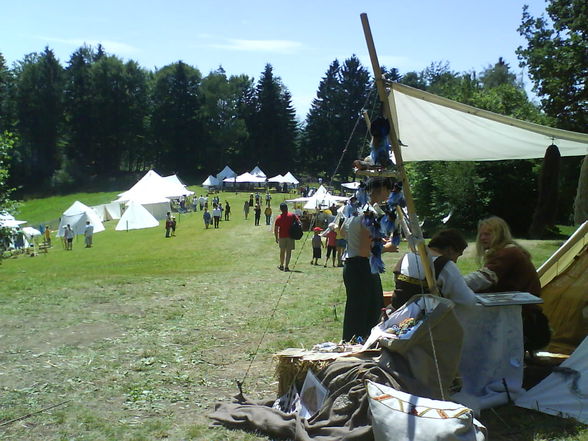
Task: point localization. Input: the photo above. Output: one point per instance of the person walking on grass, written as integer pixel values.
(216, 215)
(227, 211)
(257, 211)
(268, 215)
(282, 234)
(206, 217)
(317, 245)
(68, 236)
(246, 209)
(88, 234)
(331, 236)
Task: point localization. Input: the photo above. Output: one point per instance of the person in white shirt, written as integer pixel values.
(88, 234)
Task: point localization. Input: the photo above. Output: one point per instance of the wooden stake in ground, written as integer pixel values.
(413, 219)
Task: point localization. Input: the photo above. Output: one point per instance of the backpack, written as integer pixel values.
(296, 229)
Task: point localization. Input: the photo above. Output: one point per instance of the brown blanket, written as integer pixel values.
(345, 413)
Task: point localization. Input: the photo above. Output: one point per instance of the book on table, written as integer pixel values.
(507, 298)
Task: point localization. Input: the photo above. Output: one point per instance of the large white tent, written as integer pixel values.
(152, 184)
(438, 129)
(76, 217)
(226, 172)
(136, 217)
(258, 172)
(319, 200)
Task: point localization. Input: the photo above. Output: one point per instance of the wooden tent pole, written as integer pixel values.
(382, 93)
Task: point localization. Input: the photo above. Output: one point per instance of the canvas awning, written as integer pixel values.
(245, 178)
(438, 129)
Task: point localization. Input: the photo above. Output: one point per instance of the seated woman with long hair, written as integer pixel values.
(507, 266)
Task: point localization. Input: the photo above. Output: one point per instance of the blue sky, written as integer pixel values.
(298, 38)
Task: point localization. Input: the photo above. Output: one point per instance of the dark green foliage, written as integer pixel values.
(335, 112)
(39, 108)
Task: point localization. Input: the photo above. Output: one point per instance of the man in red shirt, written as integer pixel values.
(282, 233)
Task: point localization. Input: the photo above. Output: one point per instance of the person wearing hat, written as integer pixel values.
(317, 245)
(282, 234)
(363, 289)
(331, 235)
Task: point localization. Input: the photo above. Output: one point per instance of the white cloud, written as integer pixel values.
(276, 46)
(113, 47)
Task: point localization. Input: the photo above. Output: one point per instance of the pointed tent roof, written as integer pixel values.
(211, 181)
(175, 183)
(277, 178)
(136, 217)
(245, 177)
(153, 185)
(438, 129)
(290, 179)
(257, 172)
(226, 172)
(76, 216)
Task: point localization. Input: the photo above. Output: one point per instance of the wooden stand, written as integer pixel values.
(415, 230)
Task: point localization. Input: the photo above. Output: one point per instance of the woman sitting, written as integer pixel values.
(507, 267)
(444, 249)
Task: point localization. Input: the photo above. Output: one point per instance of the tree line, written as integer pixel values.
(99, 118)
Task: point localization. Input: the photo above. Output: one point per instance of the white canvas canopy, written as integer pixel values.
(158, 206)
(290, 179)
(211, 181)
(8, 220)
(153, 185)
(245, 178)
(226, 172)
(438, 129)
(257, 172)
(562, 393)
(319, 200)
(136, 217)
(278, 178)
(76, 216)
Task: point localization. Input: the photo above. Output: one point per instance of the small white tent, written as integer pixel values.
(211, 181)
(276, 179)
(136, 217)
(257, 172)
(226, 172)
(173, 182)
(107, 212)
(158, 206)
(76, 216)
(246, 178)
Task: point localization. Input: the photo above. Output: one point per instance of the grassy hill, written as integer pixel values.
(138, 337)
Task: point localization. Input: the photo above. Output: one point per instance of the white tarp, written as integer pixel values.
(76, 216)
(257, 172)
(211, 181)
(226, 172)
(438, 129)
(136, 217)
(563, 393)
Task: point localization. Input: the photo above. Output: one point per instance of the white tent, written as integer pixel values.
(152, 185)
(107, 212)
(30, 232)
(319, 200)
(158, 206)
(278, 178)
(76, 216)
(226, 172)
(8, 220)
(290, 179)
(245, 178)
(563, 392)
(136, 217)
(174, 182)
(438, 129)
(257, 172)
(211, 181)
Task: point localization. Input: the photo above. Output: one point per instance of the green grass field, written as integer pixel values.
(138, 337)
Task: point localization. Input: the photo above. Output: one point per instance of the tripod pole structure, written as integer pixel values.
(383, 95)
